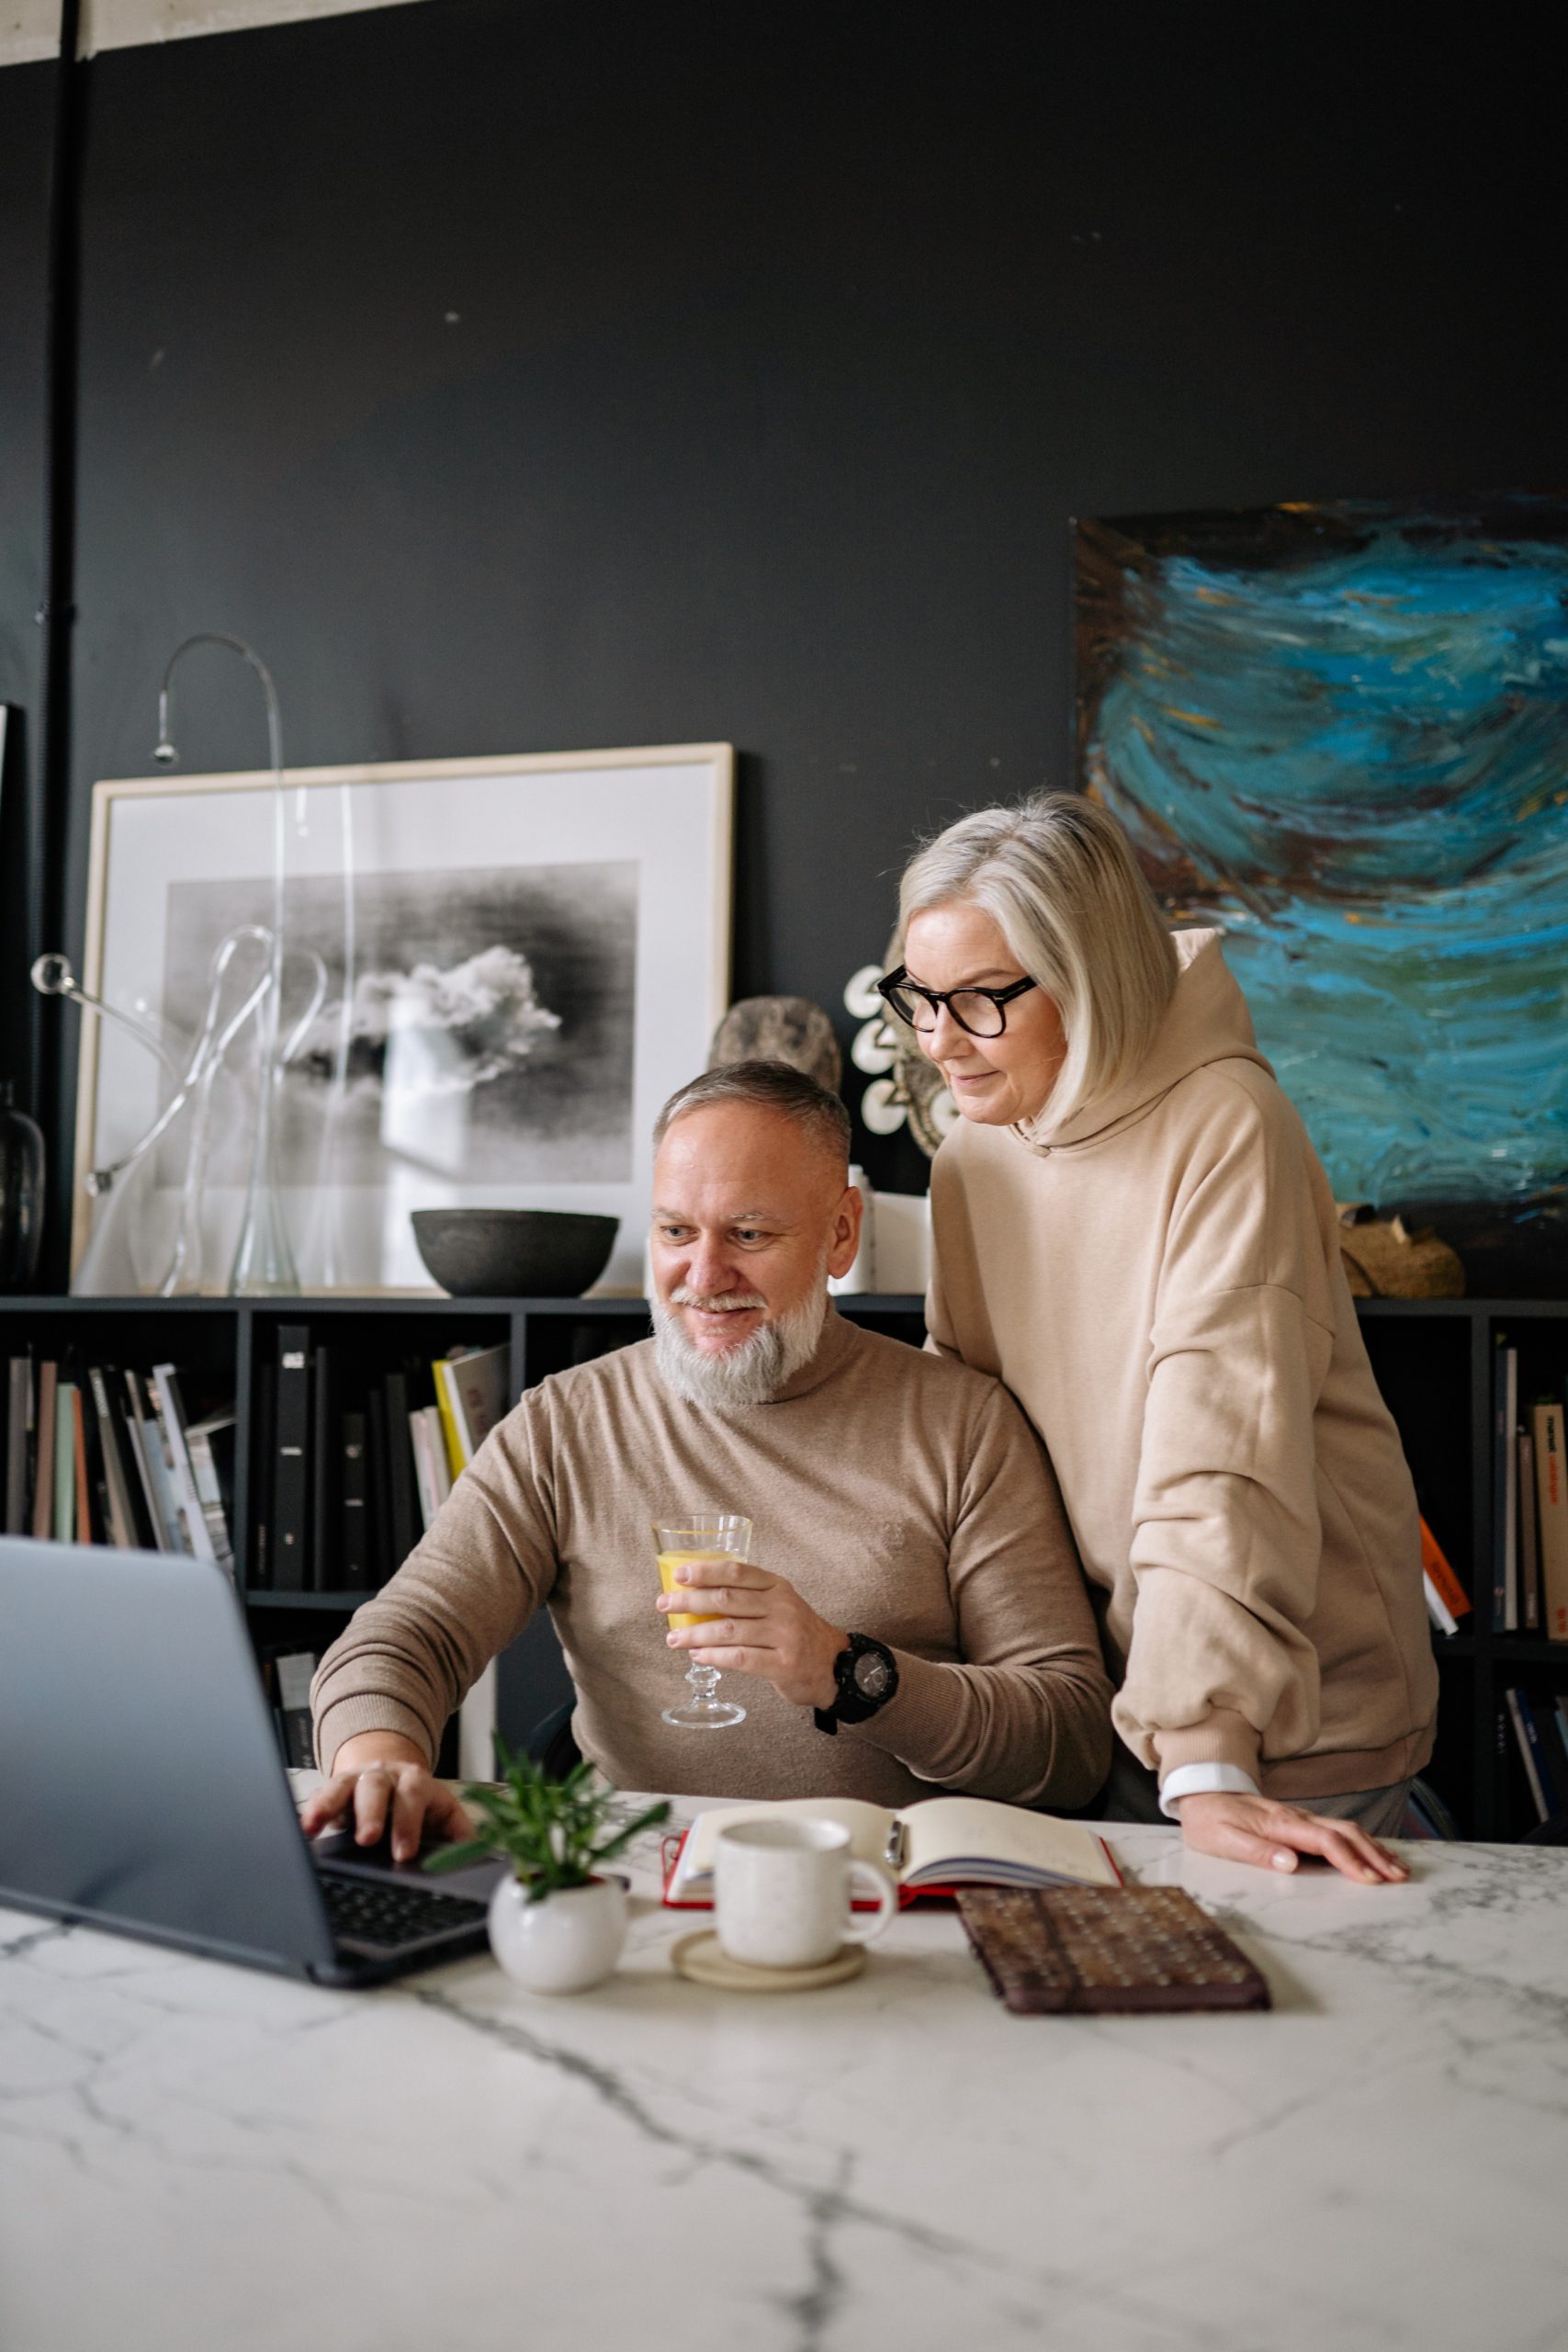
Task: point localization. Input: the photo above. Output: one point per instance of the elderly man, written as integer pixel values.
(914, 1618)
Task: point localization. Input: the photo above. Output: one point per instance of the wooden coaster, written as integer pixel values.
(703, 1959)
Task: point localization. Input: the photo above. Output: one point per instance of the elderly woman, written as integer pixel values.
(1132, 1229)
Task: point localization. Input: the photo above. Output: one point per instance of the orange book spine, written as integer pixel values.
(1435, 1560)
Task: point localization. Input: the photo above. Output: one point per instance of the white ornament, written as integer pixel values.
(881, 1110)
(861, 999)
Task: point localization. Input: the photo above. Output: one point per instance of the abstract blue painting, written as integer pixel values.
(1340, 732)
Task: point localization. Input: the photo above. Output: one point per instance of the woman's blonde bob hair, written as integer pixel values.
(1059, 878)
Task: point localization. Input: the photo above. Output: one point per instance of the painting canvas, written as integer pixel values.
(1339, 733)
(526, 957)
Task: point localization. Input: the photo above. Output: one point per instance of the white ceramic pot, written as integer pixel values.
(564, 1944)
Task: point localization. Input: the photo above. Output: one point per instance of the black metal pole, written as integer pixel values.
(50, 804)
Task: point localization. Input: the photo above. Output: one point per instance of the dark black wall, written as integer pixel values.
(521, 376)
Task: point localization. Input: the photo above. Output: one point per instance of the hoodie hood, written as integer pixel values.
(1206, 1021)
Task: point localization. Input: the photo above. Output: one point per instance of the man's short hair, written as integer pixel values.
(772, 1086)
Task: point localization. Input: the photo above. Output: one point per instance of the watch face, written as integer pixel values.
(873, 1675)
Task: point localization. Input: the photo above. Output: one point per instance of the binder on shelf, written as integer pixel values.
(1551, 1503)
(325, 1570)
(264, 1389)
(291, 1483)
(377, 1481)
(43, 1451)
(406, 1515)
(353, 1571)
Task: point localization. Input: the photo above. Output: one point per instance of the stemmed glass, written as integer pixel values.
(700, 1535)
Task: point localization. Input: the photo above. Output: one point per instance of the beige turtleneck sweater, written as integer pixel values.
(904, 1497)
(1159, 1282)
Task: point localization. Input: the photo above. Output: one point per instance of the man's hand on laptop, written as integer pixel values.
(379, 1773)
(760, 1625)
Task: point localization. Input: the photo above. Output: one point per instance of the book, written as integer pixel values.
(1530, 1562)
(64, 1462)
(43, 1467)
(928, 1848)
(450, 1427)
(353, 1564)
(99, 1516)
(477, 1381)
(1093, 1950)
(1439, 1574)
(211, 1445)
(1538, 1772)
(1505, 1479)
(293, 1670)
(122, 1527)
(143, 1446)
(1438, 1609)
(162, 1456)
(82, 1514)
(423, 1468)
(19, 1435)
(291, 1464)
(1552, 1504)
(174, 1420)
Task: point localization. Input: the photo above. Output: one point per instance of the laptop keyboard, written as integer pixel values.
(388, 1917)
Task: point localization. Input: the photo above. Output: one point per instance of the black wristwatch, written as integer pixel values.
(867, 1675)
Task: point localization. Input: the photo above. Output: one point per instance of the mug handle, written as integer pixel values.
(876, 1882)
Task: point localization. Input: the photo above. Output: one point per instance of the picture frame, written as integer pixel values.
(539, 953)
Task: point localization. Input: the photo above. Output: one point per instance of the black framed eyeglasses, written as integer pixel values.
(981, 1012)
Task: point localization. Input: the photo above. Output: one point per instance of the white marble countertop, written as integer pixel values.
(196, 2158)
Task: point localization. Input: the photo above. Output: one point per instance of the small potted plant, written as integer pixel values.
(555, 1925)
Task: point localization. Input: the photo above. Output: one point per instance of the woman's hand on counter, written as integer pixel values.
(1274, 1835)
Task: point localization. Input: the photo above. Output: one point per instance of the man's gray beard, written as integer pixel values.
(749, 1374)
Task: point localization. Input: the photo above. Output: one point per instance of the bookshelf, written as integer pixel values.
(1433, 1360)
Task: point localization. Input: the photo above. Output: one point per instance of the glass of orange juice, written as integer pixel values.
(700, 1535)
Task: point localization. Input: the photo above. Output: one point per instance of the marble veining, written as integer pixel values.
(194, 2157)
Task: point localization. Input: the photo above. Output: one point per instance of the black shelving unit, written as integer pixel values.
(221, 1341)
(1433, 1360)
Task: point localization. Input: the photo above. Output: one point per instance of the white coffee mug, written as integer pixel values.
(782, 1893)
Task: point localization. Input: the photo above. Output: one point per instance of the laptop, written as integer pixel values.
(143, 1789)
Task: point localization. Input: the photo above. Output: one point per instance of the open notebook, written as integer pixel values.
(938, 1843)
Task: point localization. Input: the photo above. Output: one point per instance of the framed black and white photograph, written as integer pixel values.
(493, 973)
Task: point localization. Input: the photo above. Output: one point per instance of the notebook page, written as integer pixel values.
(944, 1831)
(868, 1826)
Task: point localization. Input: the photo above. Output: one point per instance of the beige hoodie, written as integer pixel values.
(1159, 1282)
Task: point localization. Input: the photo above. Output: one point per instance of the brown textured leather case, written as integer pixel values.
(1076, 1950)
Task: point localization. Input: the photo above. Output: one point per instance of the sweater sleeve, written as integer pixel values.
(488, 1560)
(1226, 1536)
(1025, 1717)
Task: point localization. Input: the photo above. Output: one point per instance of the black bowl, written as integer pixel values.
(513, 1253)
